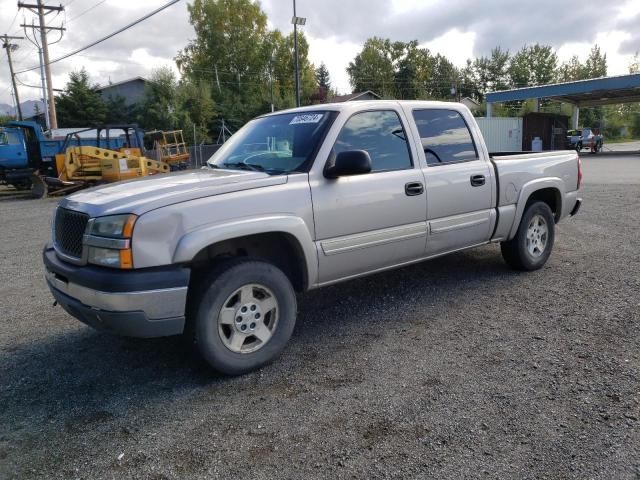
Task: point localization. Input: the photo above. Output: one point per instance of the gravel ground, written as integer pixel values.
(455, 368)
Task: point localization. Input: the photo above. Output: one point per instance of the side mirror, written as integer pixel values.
(350, 162)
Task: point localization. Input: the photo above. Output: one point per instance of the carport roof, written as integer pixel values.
(584, 93)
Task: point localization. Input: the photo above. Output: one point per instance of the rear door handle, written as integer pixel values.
(477, 180)
(414, 188)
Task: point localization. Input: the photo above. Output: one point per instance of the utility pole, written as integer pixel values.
(296, 21)
(9, 47)
(47, 122)
(42, 10)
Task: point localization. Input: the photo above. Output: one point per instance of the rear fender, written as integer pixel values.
(530, 188)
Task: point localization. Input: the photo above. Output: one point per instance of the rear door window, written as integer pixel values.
(445, 137)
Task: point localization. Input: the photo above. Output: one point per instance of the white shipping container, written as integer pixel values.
(501, 134)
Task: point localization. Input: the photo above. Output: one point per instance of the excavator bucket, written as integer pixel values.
(39, 188)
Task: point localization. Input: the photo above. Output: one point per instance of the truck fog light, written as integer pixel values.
(104, 256)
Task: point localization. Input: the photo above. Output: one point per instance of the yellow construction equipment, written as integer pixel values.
(82, 166)
(101, 164)
(170, 146)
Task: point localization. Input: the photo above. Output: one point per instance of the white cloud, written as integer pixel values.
(336, 55)
(609, 42)
(336, 30)
(457, 46)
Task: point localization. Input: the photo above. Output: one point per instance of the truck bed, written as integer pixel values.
(519, 173)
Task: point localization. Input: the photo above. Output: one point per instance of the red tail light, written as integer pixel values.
(579, 172)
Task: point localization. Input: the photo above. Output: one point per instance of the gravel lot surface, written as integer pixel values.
(455, 368)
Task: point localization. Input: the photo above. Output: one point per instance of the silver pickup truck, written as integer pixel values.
(294, 201)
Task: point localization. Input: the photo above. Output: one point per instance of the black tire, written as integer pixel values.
(579, 147)
(516, 251)
(215, 289)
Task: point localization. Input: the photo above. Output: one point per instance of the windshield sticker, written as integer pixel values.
(308, 118)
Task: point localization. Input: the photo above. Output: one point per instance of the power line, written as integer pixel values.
(93, 44)
(14, 20)
(86, 11)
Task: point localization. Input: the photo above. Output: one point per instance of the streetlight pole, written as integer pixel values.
(296, 21)
(295, 47)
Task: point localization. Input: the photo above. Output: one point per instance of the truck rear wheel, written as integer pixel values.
(532, 245)
(243, 316)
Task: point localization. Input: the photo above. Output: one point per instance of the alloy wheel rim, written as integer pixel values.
(248, 318)
(537, 236)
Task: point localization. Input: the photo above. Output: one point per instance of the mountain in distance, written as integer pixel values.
(6, 109)
(28, 108)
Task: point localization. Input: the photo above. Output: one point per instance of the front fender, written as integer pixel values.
(193, 242)
(527, 190)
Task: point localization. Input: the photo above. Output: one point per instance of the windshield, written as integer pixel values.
(275, 144)
(8, 137)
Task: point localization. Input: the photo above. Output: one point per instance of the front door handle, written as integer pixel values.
(414, 188)
(477, 180)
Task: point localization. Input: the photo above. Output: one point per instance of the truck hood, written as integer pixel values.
(149, 193)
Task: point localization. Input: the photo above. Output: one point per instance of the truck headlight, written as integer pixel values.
(113, 226)
(109, 241)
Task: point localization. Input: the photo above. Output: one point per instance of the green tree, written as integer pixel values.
(235, 53)
(172, 105)
(570, 70)
(283, 68)
(444, 77)
(468, 83)
(594, 66)
(197, 109)
(399, 70)
(631, 112)
(80, 105)
(117, 110)
(491, 73)
(374, 68)
(533, 65)
(323, 80)
(634, 65)
(161, 107)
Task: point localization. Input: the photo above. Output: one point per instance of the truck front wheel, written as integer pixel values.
(532, 245)
(243, 315)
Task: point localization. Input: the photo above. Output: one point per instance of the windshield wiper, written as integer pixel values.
(244, 166)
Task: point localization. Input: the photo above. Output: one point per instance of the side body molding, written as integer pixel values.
(193, 242)
(531, 187)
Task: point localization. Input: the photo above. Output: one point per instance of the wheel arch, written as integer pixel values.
(547, 190)
(284, 241)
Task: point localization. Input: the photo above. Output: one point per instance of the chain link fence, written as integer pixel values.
(198, 154)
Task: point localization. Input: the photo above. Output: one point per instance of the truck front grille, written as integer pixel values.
(68, 228)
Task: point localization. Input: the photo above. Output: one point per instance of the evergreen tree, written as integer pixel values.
(80, 105)
(322, 77)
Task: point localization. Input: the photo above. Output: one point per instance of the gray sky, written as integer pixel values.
(336, 29)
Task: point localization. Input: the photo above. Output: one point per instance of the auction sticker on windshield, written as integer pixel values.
(308, 118)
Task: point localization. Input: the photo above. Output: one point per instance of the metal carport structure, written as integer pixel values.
(581, 93)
